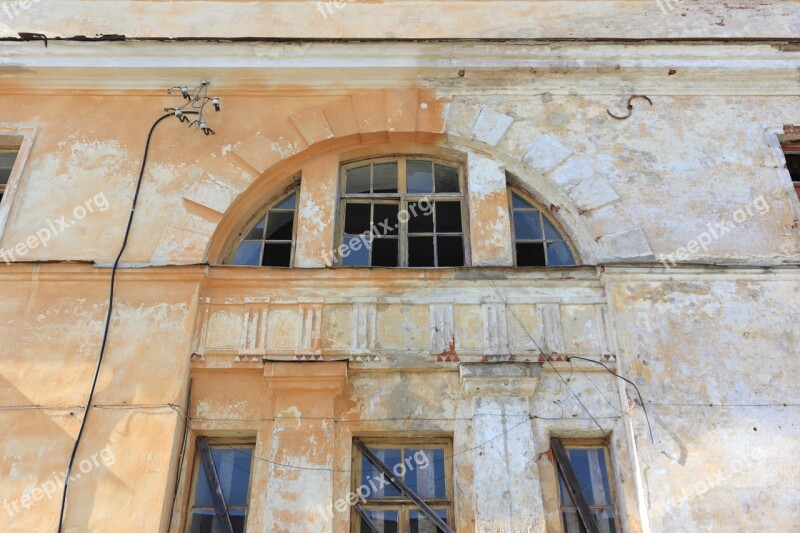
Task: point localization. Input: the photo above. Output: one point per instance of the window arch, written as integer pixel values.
(270, 239)
(407, 211)
(538, 241)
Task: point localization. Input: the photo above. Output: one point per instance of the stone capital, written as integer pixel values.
(290, 378)
(517, 379)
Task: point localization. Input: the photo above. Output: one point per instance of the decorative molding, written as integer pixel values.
(550, 329)
(442, 330)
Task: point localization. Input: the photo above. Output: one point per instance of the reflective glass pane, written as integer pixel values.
(384, 252)
(425, 473)
(203, 521)
(450, 250)
(530, 254)
(420, 523)
(357, 180)
(385, 219)
(385, 521)
(287, 203)
(384, 178)
(589, 465)
(249, 253)
(374, 478)
(257, 232)
(420, 252)
(233, 470)
(419, 217)
(558, 253)
(604, 518)
(419, 176)
(550, 231)
(446, 179)
(356, 218)
(355, 251)
(518, 201)
(448, 217)
(572, 523)
(277, 254)
(527, 225)
(280, 225)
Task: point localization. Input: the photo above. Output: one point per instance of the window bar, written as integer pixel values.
(367, 520)
(214, 487)
(573, 486)
(410, 494)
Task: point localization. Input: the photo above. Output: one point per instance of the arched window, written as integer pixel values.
(402, 212)
(269, 241)
(537, 239)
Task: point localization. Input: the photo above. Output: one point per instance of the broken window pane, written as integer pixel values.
(384, 178)
(446, 179)
(280, 225)
(357, 181)
(420, 252)
(448, 217)
(450, 250)
(419, 176)
(793, 165)
(384, 252)
(385, 219)
(530, 254)
(278, 254)
(357, 218)
(420, 221)
(257, 233)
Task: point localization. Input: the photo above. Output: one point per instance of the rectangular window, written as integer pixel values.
(586, 495)
(8, 156)
(402, 213)
(221, 488)
(792, 153)
(420, 498)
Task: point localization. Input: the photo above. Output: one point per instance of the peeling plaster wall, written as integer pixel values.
(448, 352)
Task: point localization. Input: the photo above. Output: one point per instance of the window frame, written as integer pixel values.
(24, 144)
(225, 443)
(401, 504)
(403, 199)
(544, 213)
(264, 212)
(791, 148)
(583, 443)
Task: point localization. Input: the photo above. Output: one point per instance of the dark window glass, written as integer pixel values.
(446, 179)
(385, 219)
(448, 217)
(277, 254)
(384, 252)
(288, 203)
(420, 252)
(386, 521)
(450, 250)
(527, 226)
(390, 457)
(420, 220)
(233, 470)
(559, 254)
(591, 471)
(793, 165)
(427, 478)
(257, 233)
(7, 160)
(357, 218)
(530, 254)
(280, 226)
(249, 253)
(356, 252)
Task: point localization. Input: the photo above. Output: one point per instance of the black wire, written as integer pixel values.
(107, 323)
(649, 428)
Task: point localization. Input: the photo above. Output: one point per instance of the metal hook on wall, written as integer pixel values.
(629, 106)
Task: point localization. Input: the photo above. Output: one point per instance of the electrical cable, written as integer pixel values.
(107, 324)
(641, 400)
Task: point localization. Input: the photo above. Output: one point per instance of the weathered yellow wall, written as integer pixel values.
(712, 347)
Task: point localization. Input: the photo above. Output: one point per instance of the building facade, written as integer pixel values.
(517, 266)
